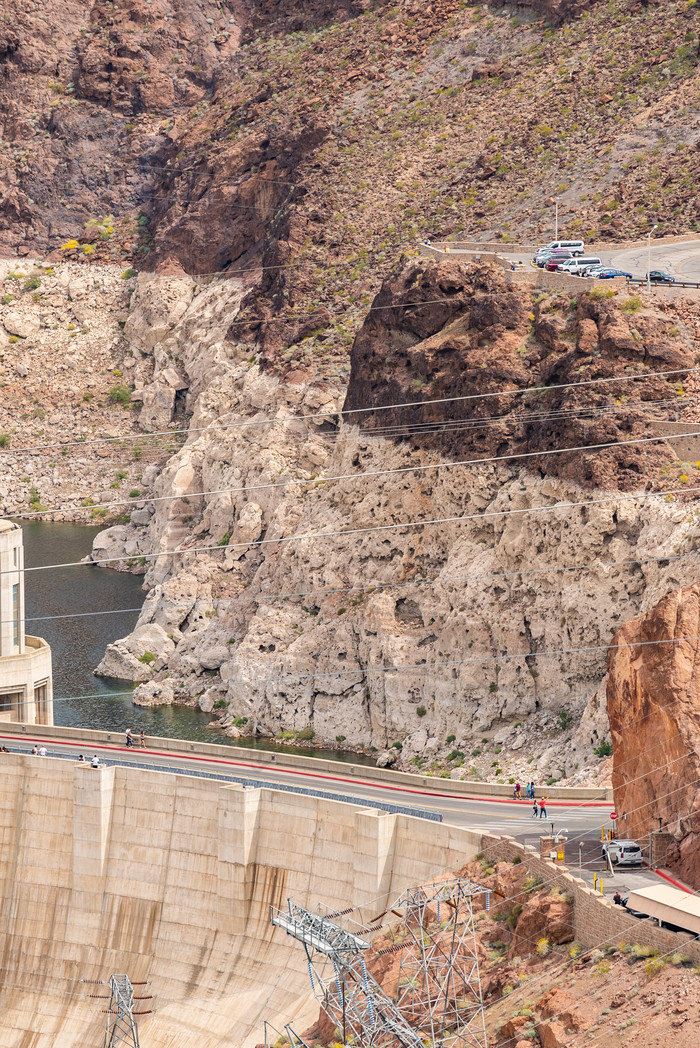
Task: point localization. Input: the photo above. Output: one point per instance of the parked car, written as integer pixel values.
(591, 271)
(608, 274)
(556, 258)
(632, 912)
(623, 853)
(575, 266)
(658, 276)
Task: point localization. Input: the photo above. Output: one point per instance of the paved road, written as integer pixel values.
(512, 817)
(682, 260)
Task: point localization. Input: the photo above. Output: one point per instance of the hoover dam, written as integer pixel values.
(169, 878)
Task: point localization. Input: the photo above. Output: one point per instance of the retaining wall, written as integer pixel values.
(597, 921)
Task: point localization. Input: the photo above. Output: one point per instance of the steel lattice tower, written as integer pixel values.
(439, 990)
(121, 1026)
(348, 994)
(439, 998)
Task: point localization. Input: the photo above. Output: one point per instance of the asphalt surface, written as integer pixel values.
(681, 260)
(512, 817)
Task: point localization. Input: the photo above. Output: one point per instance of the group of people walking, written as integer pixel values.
(130, 738)
(539, 808)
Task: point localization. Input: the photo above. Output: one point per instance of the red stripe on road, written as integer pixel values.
(313, 774)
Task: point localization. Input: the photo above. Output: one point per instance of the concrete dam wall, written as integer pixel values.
(169, 879)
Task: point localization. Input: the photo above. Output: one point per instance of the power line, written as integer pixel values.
(419, 468)
(369, 588)
(357, 411)
(363, 531)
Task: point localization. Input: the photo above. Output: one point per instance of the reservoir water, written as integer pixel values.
(79, 611)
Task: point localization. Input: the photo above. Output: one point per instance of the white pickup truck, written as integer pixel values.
(623, 853)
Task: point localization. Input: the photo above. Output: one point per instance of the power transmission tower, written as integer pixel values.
(439, 998)
(348, 994)
(294, 1039)
(121, 1026)
(439, 990)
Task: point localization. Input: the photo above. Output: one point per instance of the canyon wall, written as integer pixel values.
(320, 602)
(653, 701)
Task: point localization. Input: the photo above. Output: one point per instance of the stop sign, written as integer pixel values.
(613, 815)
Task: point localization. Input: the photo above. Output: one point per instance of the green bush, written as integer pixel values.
(604, 750)
(4, 440)
(147, 658)
(305, 735)
(632, 305)
(240, 722)
(128, 273)
(421, 711)
(31, 283)
(219, 704)
(120, 394)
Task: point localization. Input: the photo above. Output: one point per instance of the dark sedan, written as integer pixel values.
(658, 276)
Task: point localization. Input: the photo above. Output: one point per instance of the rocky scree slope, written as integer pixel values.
(541, 988)
(288, 636)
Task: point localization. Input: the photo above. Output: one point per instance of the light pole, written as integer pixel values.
(649, 257)
(556, 219)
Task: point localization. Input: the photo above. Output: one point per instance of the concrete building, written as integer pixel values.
(26, 692)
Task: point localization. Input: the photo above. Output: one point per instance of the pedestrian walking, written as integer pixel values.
(42, 751)
(142, 739)
(81, 758)
(516, 791)
(543, 808)
(534, 809)
(129, 737)
(35, 749)
(95, 761)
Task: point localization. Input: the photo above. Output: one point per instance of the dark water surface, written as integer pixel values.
(106, 605)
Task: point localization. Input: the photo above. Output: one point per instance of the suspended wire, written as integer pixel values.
(417, 468)
(248, 423)
(283, 539)
(369, 588)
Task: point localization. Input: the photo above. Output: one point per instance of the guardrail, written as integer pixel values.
(307, 791)
(322, 766)
(664, 283)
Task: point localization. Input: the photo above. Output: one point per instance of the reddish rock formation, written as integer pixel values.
(653, 697)
(451, 330)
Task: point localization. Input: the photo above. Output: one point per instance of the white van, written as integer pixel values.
(575, 265)
(623, 853)
(574, 246)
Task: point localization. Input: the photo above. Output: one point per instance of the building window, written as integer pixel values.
(40, 697)
(15, 556)
(15, 615)
(11, 703)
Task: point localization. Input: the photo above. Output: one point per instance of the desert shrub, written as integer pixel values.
(306, 734)
(632, 305)
(4, 440)
(421, 711)
(604, 750)
(120, 394)
(147, 658)
(128, 273)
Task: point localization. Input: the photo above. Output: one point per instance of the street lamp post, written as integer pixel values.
(649, 257)
(556, 219)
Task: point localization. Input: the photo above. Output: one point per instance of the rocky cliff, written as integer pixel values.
(653, 700)
(333, 635)
(269, 169)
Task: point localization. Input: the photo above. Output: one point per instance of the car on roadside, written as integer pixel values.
(632, 912)
(659, 276)
(576, 266)
(608, 274)
(623, 853)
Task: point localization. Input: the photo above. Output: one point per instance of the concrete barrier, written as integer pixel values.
(312, 765)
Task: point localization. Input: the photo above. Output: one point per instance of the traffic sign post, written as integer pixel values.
(613, 815)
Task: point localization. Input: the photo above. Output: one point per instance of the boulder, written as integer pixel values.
(20, 324)
(653, 701)
(543, 917)
(386, 759)
(154, 693)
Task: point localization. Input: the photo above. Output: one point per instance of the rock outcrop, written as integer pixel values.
(653, 699)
